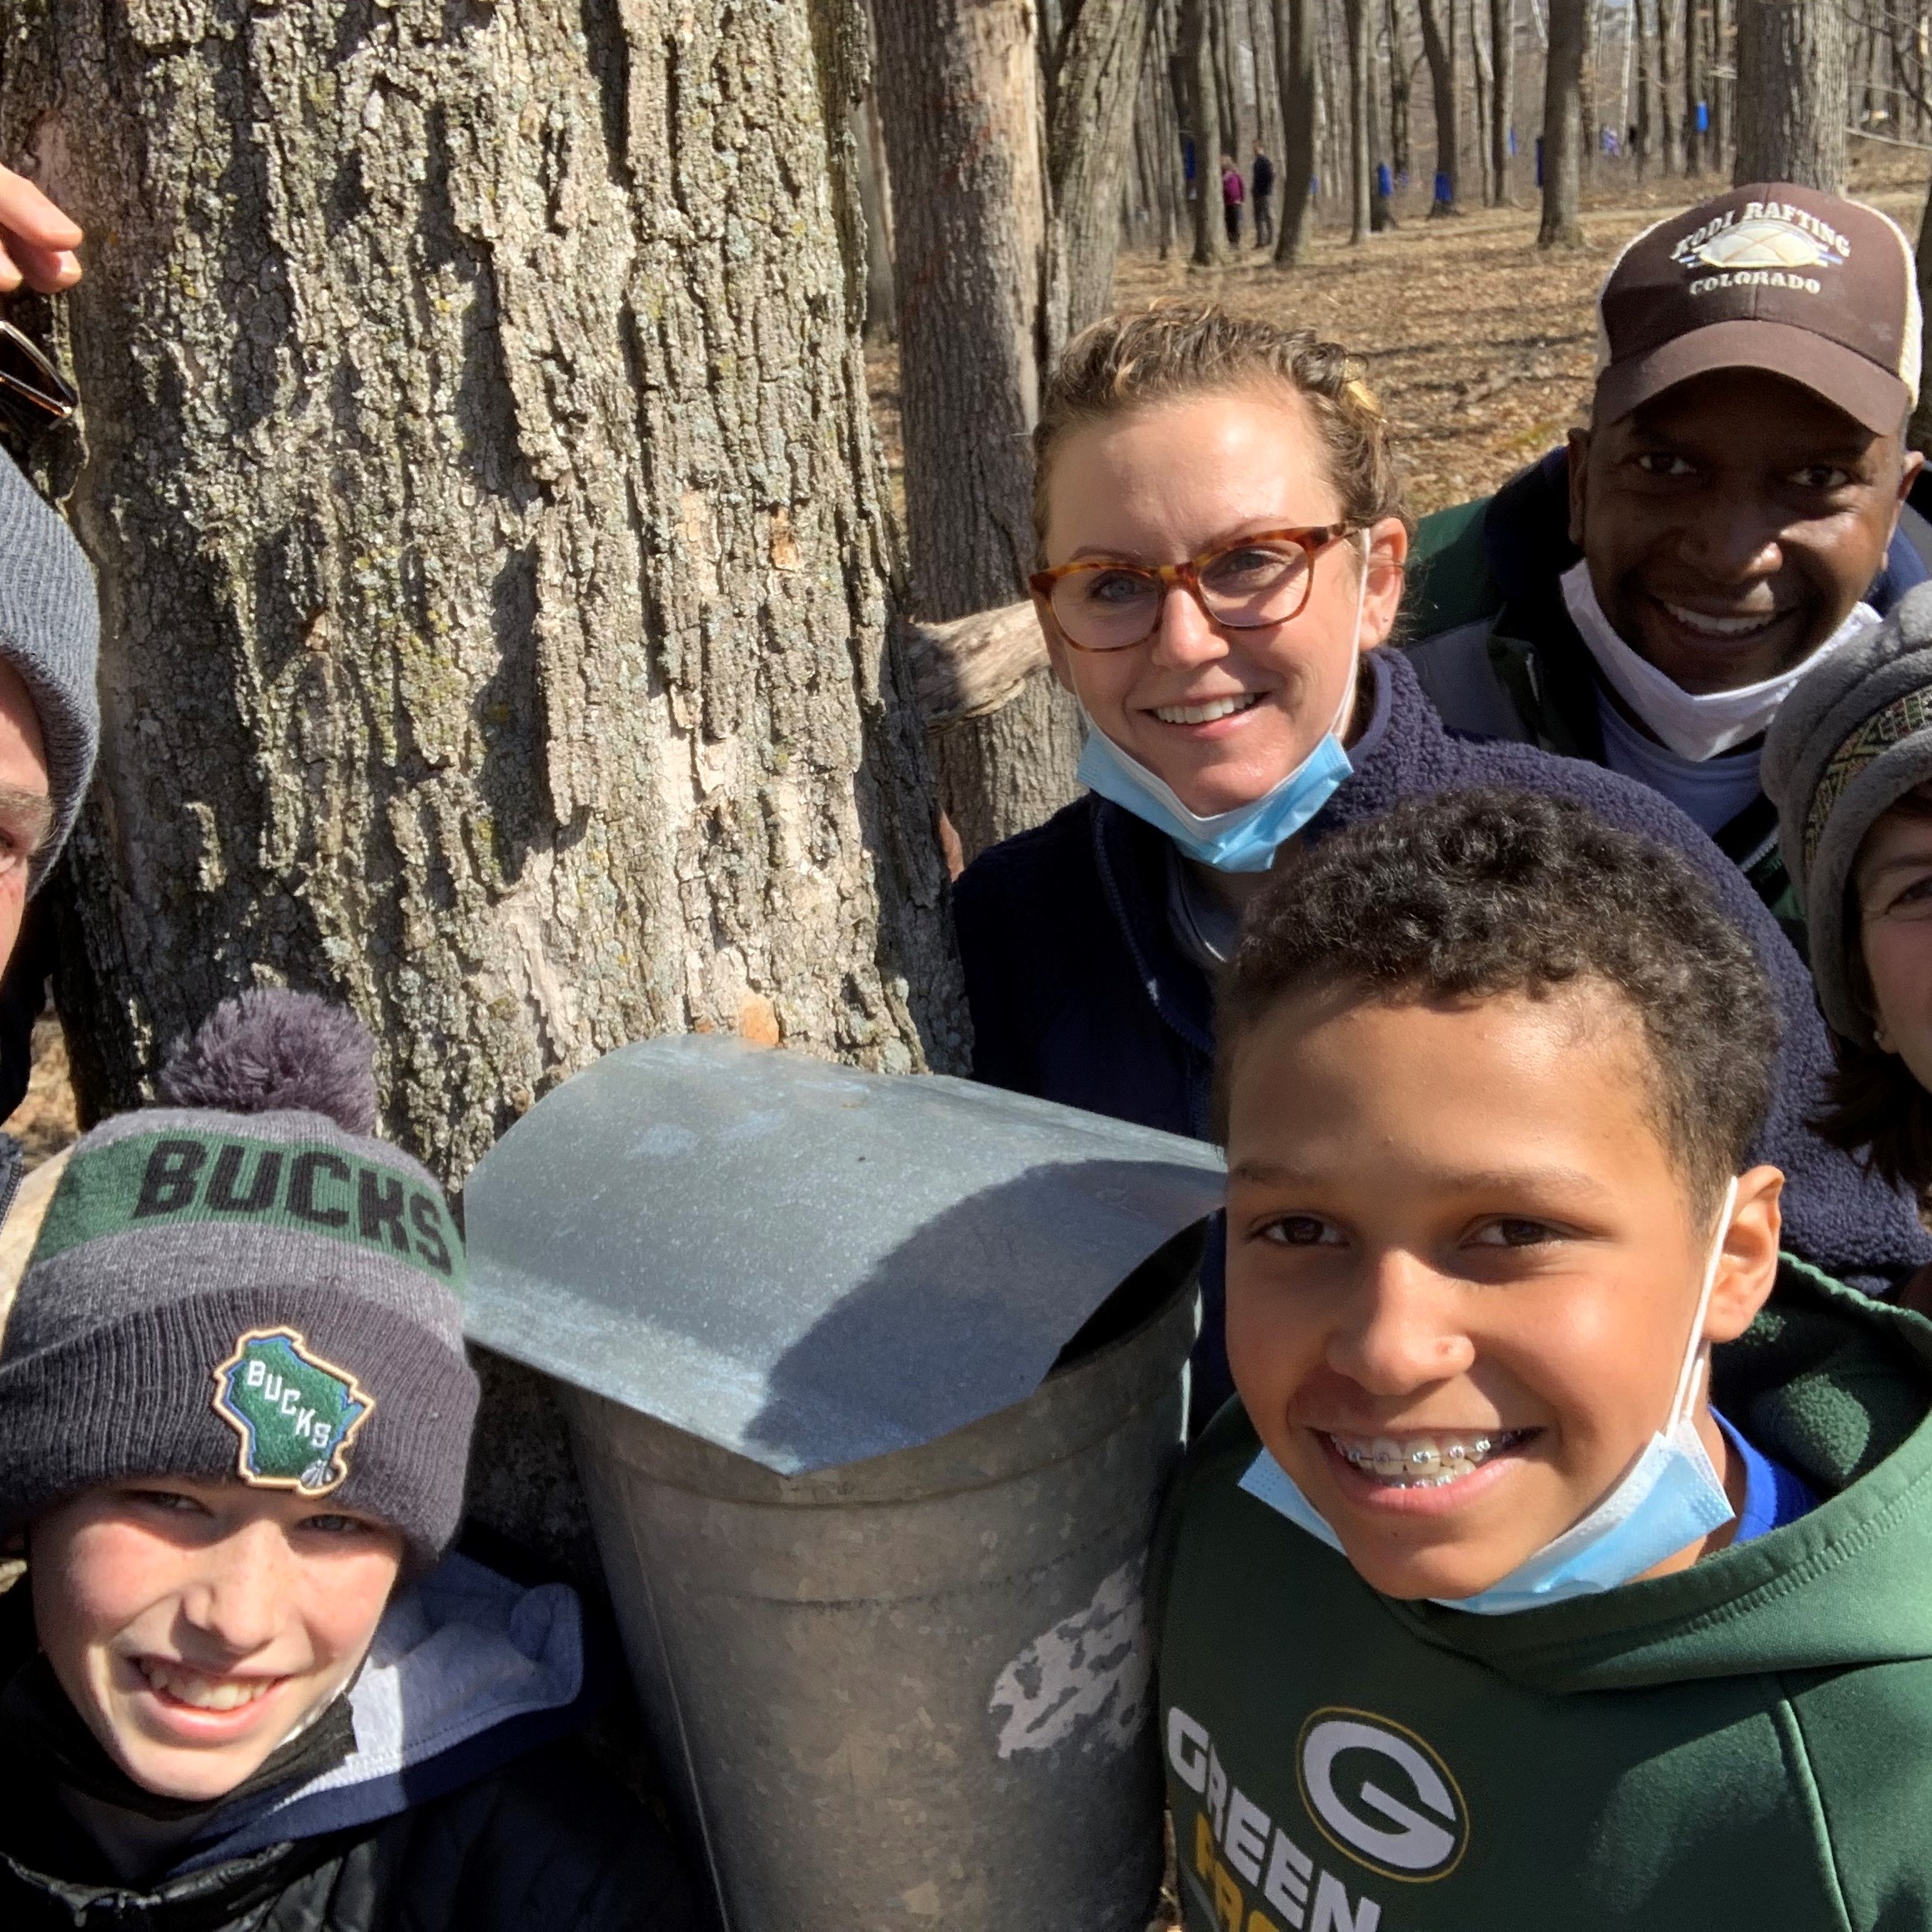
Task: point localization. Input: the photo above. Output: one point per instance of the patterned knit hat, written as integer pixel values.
(245, 1283)
(1850, 741)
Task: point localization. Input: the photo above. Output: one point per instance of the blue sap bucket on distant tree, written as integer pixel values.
(1385, 181)
(1444, 193)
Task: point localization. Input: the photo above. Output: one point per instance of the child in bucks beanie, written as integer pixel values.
(235, 1417)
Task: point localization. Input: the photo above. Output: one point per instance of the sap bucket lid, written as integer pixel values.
(802, 1263)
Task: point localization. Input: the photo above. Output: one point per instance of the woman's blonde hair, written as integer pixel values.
(1184, 348)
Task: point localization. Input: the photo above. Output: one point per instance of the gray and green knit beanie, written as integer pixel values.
(243, 1282)
(50, 634)
(1852, 739)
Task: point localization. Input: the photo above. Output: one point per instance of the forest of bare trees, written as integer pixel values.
(1376, 110)
(961, 180)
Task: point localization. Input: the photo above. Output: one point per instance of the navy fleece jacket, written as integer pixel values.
(1079, 995)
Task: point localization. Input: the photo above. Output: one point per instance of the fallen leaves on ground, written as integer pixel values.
(1481, 345)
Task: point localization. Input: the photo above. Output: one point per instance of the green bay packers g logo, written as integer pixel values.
(1376, 1791)
(296, 1413)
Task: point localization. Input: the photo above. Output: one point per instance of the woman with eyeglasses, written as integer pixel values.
(1221, 546)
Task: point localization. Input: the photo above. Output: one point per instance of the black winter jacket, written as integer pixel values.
(550, 1844)
(445, 1793)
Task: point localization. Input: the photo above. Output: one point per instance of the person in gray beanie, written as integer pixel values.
(235, 1413)
(50, 641)
(1849, 764)
(252, 1232)
(50, 729)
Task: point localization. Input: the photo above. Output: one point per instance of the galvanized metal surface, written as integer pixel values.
(910, 1695)
(805, 1264)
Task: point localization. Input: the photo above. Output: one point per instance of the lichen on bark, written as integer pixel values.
(491, 536)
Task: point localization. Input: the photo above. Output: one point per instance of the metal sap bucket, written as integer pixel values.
(873, 1385)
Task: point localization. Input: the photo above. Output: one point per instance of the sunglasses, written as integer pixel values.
(33, 393)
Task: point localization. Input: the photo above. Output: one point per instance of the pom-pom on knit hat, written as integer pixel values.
(243, 1282)
(1850, 741)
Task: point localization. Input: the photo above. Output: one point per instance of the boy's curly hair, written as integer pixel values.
(1185, 349)
(1473, 893)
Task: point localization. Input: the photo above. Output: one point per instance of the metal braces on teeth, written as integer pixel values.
(1427, 1465)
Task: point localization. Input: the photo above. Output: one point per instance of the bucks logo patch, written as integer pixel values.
(296, 1413)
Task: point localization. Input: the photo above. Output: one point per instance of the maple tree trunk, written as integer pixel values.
(1361, 162)
(1094, 81)
(1562, 119)
(1005, 247)
(1438, 23)
(1918, 432)
(1399, 156)
(1792, 82)
(1502, 95)
(1670, 144)
(1197, 66)
(491, 545)
(1482, 78)
(1294, 64)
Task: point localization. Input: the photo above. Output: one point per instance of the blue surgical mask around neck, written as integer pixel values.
(1668, 1498)
(1246, 838)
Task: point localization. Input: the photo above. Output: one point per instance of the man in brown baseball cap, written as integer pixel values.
(1645, 597)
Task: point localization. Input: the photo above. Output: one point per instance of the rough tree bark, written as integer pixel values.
(1092, 81)
(1695, 148)
(1197, 67)
(1007, 161)
(1482, 78)
(1295, 74)
(1721, 53)
(1791, 80)
(1361, 162)
(1438, 22)
(1164, 131)
(957, 89)
(1400, 70)
(1646, 123)
(1221, 44)
(875, 200)
(1562, 123)
(1503, 97)
(491, 536)
(1587, 123)
(1918, 433)
(1670, 148)
(1381, 209)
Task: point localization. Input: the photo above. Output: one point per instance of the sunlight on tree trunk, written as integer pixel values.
(1792, 81)
(490, 532)
(1563, 127)
(1438, 22)
(1295, 60)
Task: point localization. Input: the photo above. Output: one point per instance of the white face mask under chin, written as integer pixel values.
(1696, 725)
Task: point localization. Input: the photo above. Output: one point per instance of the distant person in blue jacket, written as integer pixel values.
(1222, 547)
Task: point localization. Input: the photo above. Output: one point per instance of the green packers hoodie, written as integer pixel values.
(1746, 1744)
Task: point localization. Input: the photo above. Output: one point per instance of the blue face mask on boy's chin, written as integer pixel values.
(1668, 1499)
(1246, 838)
